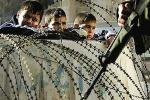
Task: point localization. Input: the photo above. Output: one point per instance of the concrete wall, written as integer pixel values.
(8, 8)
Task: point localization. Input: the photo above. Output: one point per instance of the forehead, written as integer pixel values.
(59, 19)
(92, 23)
(24, 12)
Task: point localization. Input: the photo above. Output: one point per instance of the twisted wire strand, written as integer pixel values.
(4, 93)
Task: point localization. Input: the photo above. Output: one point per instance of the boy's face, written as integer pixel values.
(58, 24)
(28, 18)
(90, 28)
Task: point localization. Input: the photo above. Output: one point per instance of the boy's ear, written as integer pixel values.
(17, 15)
(76, 26)
(46, 24)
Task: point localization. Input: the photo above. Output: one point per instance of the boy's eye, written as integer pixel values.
(93, 27)
(34, 19)
(56, 23)
(63, 23)
(26, 16)
(89, 26)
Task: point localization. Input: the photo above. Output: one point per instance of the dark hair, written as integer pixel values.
(81, 18)
(89, 17)
(59, 12)
(55, 12)
(33, 6)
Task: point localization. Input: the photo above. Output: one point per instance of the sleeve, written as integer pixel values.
(16, 31)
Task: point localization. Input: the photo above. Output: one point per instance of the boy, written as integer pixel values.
(55, 19)
(86, 21)
(29, 14)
